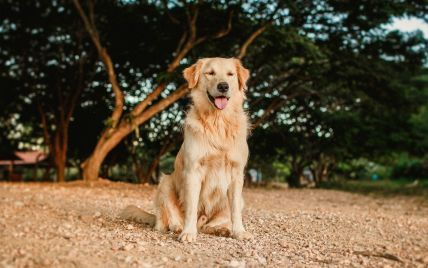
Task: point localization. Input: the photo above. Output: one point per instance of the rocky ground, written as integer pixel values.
(74, 225)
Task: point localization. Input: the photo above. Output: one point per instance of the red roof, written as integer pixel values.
(25, 158)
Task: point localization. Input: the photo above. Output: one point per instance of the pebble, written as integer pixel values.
(19, 203)
(262, 260)
(236, 264)
(128, 247)
(128, 259)
(283, 244)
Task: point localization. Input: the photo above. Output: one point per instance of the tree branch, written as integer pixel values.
(105, 57)
(162, 104)
(277, 102)
(93, 34)
(228, 28)
(181, 42)
(280, 100)
(142, 105)
(45, 127)
(77, 92)
(249, 41)
(256, 33)
(220, 33)
(170, 16)
(182, 51)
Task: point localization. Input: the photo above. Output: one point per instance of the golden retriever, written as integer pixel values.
(205, 190)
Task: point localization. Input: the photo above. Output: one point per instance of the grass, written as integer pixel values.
(381, 187)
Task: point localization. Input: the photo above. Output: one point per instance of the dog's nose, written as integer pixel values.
(223, 87)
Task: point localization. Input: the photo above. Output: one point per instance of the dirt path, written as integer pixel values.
(73, 225)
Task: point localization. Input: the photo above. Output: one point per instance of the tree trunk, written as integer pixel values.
(57, 139)
(152, 168)
(168, 144)
(138, 168)
(318, 172)
(294, 179)
(60, 150)
(113, 136)
(109, 140)
(60, 164)
(91, 166)
(323, 167)
(296, 172)
(60, 171)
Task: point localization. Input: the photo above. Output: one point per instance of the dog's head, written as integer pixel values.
(217, 81)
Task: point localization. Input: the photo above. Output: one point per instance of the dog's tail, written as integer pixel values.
(136, 214)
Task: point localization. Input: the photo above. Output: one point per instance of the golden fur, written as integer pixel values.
(205, 190)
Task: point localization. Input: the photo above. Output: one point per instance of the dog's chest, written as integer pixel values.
(216, 181)
(218, 130)
(224, 136)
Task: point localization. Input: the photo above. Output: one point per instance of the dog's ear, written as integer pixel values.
(192, 73)
(243, 74)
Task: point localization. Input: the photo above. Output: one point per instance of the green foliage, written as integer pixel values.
(410, 168)
(341, 87)
(282, 170)
(361, 169)
(381, 188)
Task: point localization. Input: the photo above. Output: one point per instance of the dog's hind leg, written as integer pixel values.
(220, 224)
(161, 219)
(169, 216)
(176, 217)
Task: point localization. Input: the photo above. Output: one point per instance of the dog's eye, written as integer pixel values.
(230, 74)
(210, 73)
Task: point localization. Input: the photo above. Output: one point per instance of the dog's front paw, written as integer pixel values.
(244, 235)
(187, 237)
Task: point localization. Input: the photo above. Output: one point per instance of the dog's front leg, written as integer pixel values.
(236, 205)
(192, 189)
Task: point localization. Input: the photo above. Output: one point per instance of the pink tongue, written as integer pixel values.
(220, 102)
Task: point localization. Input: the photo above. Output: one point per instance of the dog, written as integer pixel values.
(204, 193)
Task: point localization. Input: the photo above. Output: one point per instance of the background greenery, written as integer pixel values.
(331, 89)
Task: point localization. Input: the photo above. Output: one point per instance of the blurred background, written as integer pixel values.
(338, 94)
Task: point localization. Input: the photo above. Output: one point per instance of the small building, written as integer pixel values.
(13, 165)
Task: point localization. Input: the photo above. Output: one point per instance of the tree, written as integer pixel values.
(120, 125)
(47, 64)
(347, 62)
(330, 64)
(345, 108)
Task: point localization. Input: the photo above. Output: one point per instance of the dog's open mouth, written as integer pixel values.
(220, 102)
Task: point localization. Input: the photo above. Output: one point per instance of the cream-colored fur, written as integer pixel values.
(205, 190)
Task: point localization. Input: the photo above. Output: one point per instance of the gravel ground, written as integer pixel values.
(74, 225)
